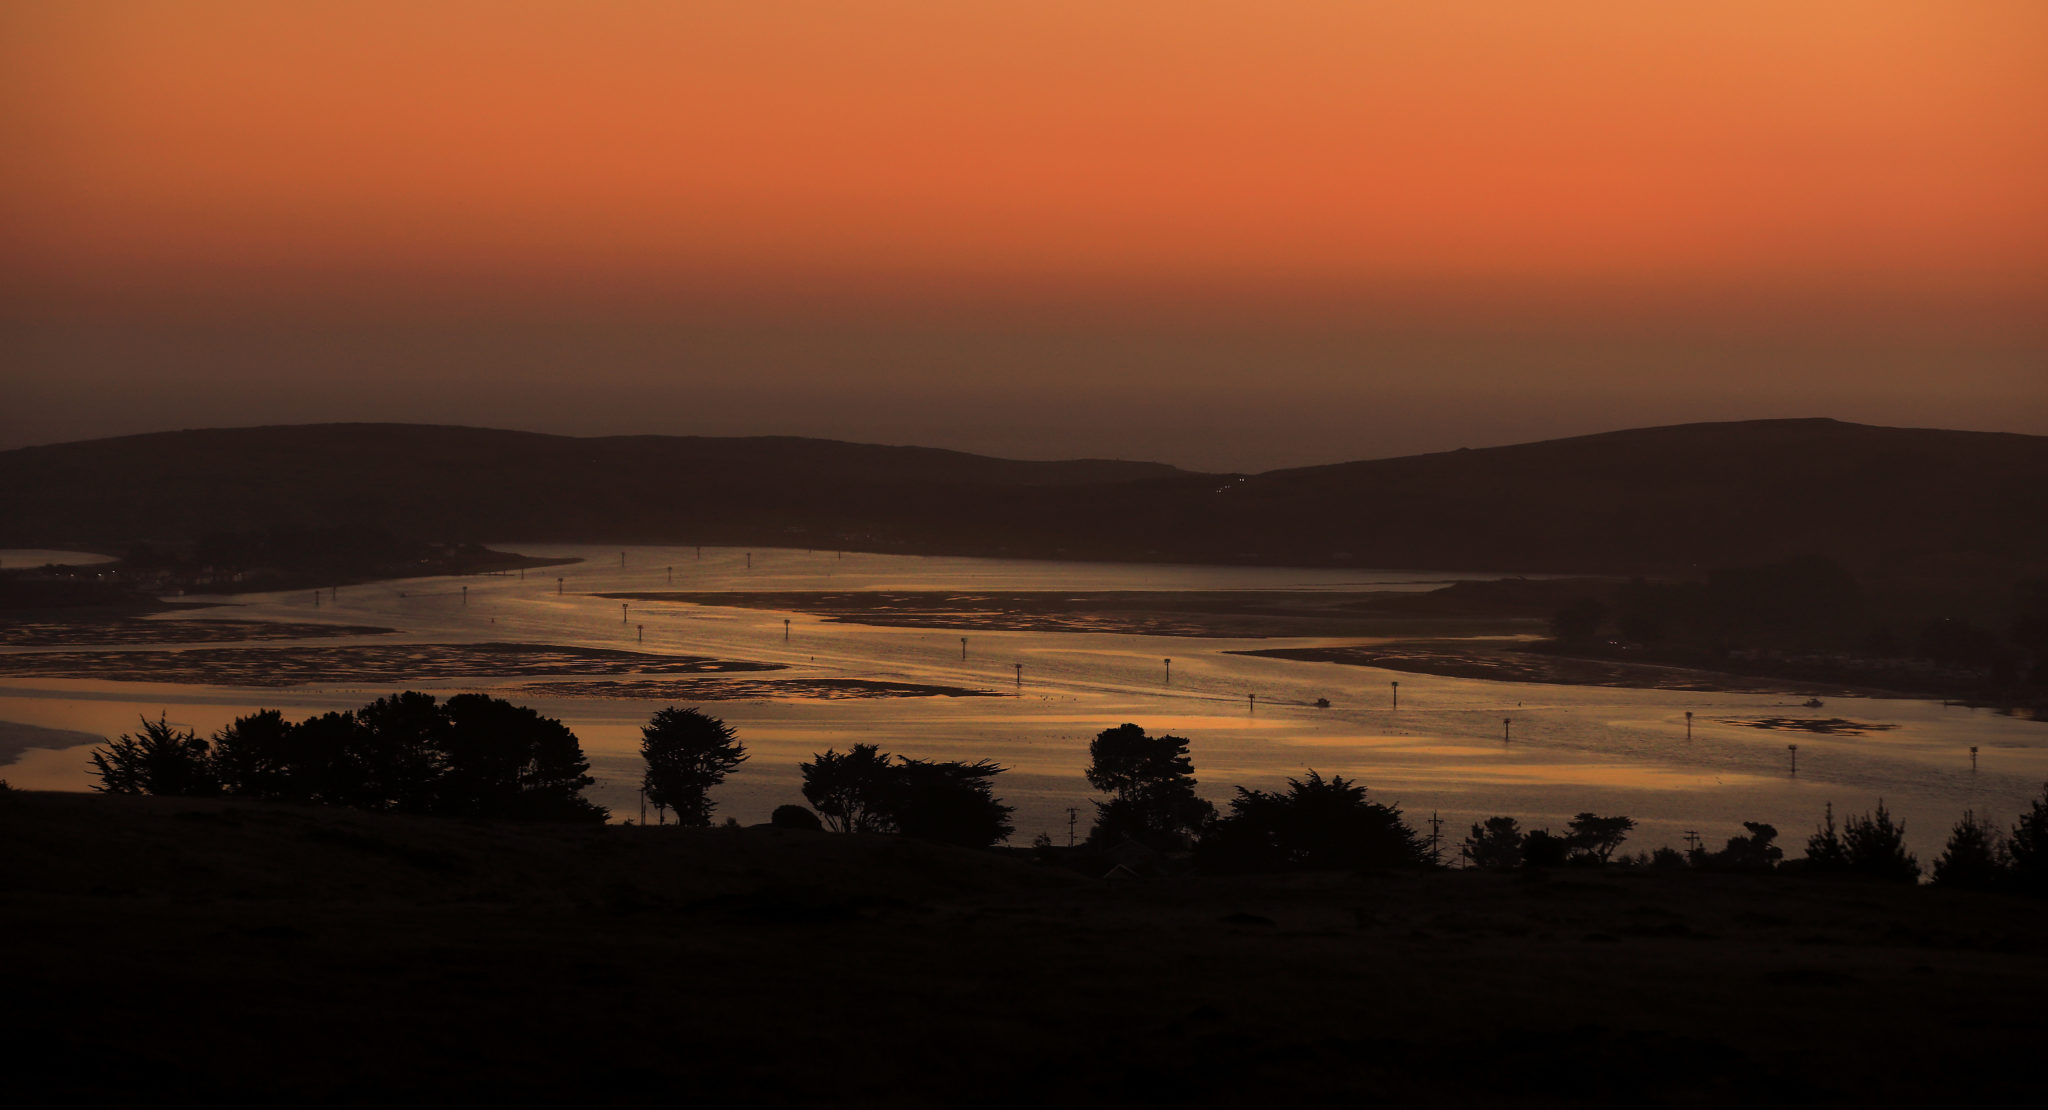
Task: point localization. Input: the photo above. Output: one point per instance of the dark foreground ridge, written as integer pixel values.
(1909, 504)
(179, 950)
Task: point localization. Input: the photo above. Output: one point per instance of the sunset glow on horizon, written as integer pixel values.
(1471, 161)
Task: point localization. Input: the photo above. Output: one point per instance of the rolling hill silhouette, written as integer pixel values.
(1892, 503)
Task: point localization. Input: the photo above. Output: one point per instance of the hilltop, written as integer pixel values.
(1914, 506)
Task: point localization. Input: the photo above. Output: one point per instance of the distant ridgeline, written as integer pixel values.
(1891, 504)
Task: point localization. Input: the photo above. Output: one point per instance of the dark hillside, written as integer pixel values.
(1905, 506)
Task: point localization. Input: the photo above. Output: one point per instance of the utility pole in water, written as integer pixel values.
(963, 647)
(1020, 674)
(1397, 695)
(1169, 671)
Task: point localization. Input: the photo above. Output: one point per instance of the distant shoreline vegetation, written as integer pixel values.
(247, 561)
(481, 757)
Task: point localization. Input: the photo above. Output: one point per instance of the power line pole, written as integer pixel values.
(1072, 816)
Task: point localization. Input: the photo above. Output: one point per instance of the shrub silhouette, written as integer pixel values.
(687, 753)
(1755, 852)
(1667, 858)
(1152, 786)
(1496, 845)
(1316, 824)
(795, 817)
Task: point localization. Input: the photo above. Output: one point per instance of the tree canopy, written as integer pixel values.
(1315, 824)
(474, 756)
(948, 802)
(688, 752)
(1151, 782)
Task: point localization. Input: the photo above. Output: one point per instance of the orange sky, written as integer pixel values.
(1901, 147)
(369, 157)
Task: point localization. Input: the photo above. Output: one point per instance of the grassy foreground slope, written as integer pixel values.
(183, 950)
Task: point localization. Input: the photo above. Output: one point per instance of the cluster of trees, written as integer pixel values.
(1314, 824)
(478, 756)
(471, 756)
(864, 790)
(867, 790)
(1589, 839)
(1978, 855)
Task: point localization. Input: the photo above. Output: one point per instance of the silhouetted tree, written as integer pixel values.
(1876, 847)
(1541, 849)
(1152, 784)
(687, 752)
(1597, 837)
(404, 742)
(158, 760)
(2029, 847)
(1825, 852)
(950, 802)
(1667, 858)
(1975, 856)
(329, 764)
(795, 817)
(1497, 844)
(1316, 824)
(252, 757)
(849, 790)
(505, 760)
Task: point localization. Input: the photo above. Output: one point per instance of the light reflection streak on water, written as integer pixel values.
(1572, 748)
